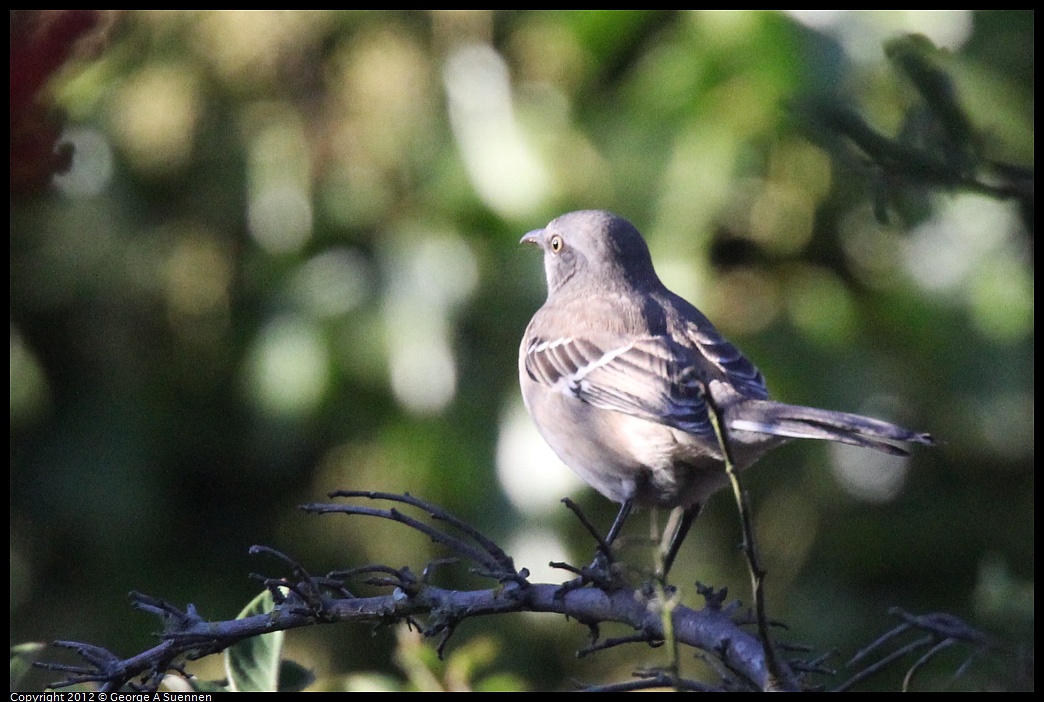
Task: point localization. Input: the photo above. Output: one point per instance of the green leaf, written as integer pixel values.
(252, 664)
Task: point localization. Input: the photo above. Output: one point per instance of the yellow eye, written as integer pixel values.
(557, 244)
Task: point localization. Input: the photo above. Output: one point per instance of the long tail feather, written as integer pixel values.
(779, 419)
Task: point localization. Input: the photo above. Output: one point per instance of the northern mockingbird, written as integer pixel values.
(616, 370)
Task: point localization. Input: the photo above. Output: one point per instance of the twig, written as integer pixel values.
(781, 675)
(942, 631)
(488, 555)
(606, 644)
(652, 680)
(436, 512)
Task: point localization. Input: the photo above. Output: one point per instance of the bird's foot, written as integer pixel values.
(604, 572)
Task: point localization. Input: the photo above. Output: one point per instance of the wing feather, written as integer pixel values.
(651, 377)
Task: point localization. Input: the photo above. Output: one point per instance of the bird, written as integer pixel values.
(620, 376)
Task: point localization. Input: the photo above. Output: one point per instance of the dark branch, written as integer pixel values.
(303, 599)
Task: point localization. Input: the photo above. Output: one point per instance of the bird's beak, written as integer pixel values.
(533, 237)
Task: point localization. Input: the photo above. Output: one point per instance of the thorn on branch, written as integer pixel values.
(174, 620)
(714, 599)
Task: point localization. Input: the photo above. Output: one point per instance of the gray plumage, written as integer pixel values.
(614, 369)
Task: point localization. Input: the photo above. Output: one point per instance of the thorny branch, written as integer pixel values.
(715, 632)
(329, 599)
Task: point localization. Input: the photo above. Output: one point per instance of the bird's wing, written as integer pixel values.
(651, 377)
(718, 358)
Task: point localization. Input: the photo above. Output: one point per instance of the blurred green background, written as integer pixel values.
(285, 261)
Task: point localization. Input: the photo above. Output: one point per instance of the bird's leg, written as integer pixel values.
(604, 555)
(688, 517)
(617, 527)
(600, 568)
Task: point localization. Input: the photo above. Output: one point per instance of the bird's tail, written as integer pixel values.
(779, 419)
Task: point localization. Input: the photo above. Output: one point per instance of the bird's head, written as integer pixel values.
(593, 250)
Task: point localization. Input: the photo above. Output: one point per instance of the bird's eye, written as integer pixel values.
(557, 244)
